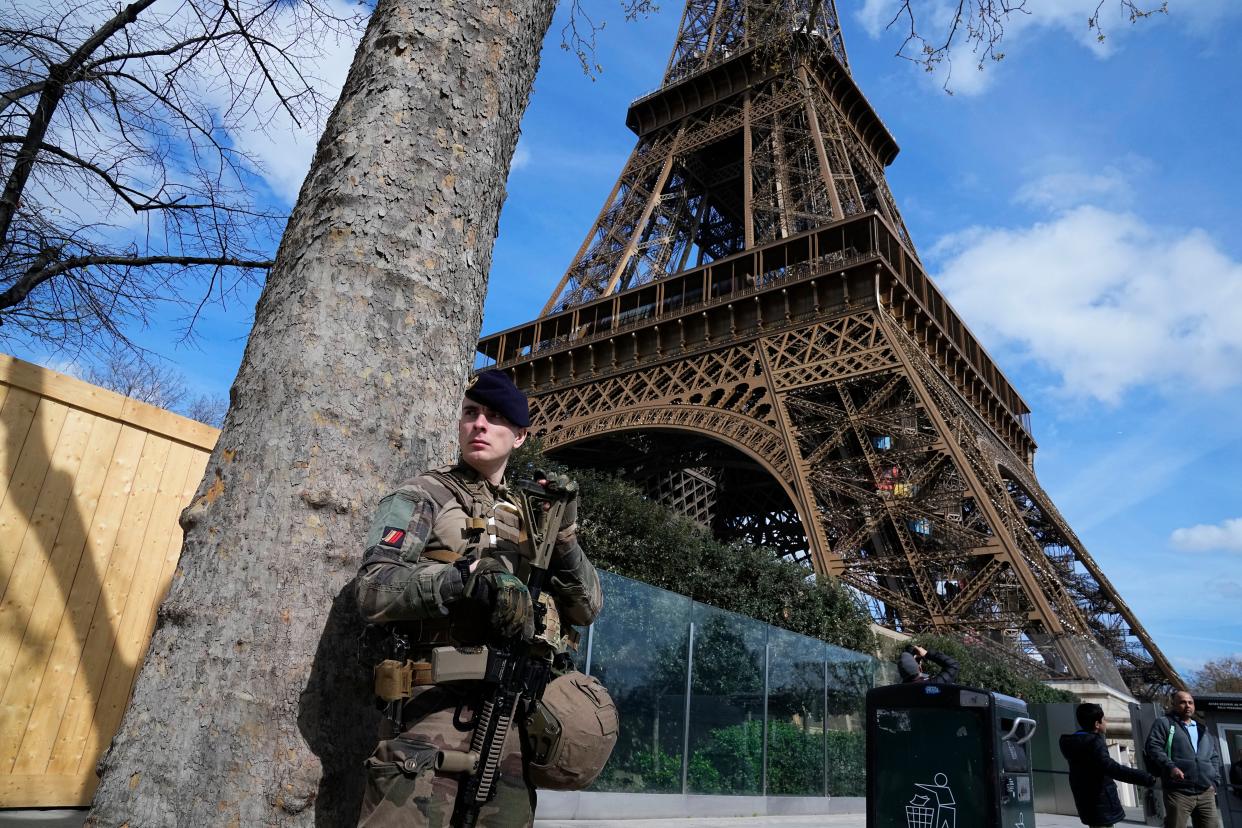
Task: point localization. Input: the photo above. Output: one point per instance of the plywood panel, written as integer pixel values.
(101, 638)
(79, 394)
(83, 655)
(35, 552)
(38, 678)
(15, 418)
(28, 473)
(172, 554)
(91, 484)
(133, 632)
(66, 791)
(62, 387)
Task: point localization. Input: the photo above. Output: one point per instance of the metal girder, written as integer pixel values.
(804, 385)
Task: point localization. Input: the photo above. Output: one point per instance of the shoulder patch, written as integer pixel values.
(392, 537)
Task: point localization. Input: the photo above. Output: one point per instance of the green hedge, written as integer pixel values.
(730, 760)
(625, 532)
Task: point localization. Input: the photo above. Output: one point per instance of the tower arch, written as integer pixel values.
(732, 480)
(750, 283)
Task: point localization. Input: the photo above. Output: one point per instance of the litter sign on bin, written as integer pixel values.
(944, 756)
(934, 809)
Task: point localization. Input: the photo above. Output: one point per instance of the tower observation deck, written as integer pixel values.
(747, 327)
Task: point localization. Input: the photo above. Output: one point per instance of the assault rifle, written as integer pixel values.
(515, 672)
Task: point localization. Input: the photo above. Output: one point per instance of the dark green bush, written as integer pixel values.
(625, 532)
(847, 763)
(730, 761)
(649, 771)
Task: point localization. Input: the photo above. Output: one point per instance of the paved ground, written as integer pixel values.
(73, 819)
(823, 821)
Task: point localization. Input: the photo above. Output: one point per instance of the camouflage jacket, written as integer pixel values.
(407, 573)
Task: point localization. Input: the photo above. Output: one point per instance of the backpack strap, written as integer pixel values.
(1168, 742)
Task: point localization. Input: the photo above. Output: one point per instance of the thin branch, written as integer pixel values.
(43, 269)
(258, 59)
(49, 98)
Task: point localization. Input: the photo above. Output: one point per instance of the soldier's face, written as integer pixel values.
(486, 437)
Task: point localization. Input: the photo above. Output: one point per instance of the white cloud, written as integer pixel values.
(282, 147)
(1225, 536)
(1203, 17)
(1231, 590)
(1200, 18)
(521, 156)
(1069, 188)
(875, 15)
(1102, 299)
(960, 71)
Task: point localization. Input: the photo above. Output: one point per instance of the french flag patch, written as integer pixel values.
(392, 536)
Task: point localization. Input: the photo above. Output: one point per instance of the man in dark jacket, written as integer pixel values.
(1092, 770)
(1189, 763)
(910, 666)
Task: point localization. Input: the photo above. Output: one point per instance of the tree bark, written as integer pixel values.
(252, 707)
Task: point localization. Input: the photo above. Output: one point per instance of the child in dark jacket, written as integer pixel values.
(1092, 770)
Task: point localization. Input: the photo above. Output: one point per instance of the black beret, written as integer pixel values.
(495, 390)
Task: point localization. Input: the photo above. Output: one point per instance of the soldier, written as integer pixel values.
(439, 570)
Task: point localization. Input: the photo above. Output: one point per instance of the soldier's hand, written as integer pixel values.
(560, 484)
(512, 612)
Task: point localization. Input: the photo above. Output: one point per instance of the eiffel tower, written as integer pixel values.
(748, 328)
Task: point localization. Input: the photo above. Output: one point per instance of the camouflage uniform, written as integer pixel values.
(408, 580)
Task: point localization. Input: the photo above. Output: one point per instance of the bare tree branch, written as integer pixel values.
(580, 33)
(44, 269)
(127, 185)
(49, 98)
(981, 25)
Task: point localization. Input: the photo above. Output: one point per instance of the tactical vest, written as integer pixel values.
(491, 525)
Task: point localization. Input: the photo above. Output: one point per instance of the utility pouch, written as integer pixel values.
(400, 773)
(458, 664)
(394, 679)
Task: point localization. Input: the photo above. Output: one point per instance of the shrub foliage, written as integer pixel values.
(627, 533)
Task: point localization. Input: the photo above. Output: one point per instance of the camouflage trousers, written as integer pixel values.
(404, 790)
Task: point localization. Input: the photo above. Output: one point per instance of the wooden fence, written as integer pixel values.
(91, 484)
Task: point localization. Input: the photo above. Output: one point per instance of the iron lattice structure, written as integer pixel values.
(747, 328)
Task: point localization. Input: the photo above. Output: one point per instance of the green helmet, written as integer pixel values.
(571, 734)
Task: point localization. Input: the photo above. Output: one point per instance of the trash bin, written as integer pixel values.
(944, 756)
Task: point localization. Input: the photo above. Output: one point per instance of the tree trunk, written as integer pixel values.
(252, 707)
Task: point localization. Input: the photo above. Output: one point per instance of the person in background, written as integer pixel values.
(1092, 771)
(914, 658)
(1189, 764)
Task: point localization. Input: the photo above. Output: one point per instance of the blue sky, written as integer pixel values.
(1076, 201)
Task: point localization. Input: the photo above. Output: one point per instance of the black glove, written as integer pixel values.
(512, 612)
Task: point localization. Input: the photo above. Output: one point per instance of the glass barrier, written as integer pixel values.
(849, 678)
(769, 711)
(637, 648)
(796, 703)
(725, 743)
